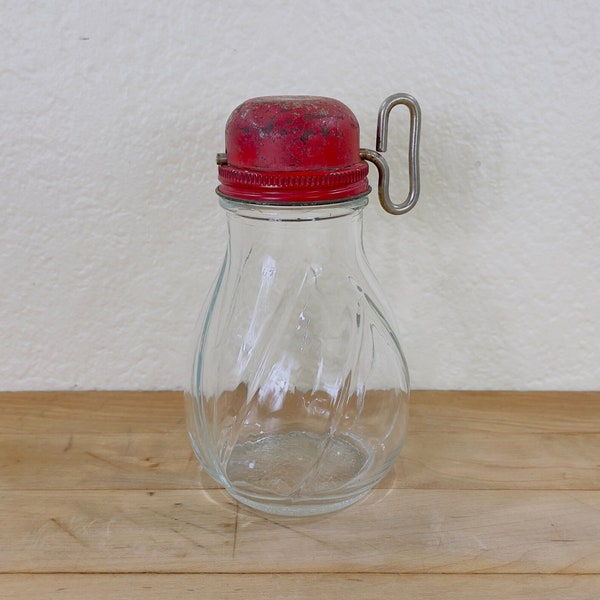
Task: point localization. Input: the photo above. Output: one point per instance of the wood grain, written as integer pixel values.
(91, 412)
(505, 412)
(431, 411)
(399, 531)
(356, 586)
(496, 495)
(472, 460)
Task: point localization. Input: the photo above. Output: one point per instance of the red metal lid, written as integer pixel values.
(292, 149)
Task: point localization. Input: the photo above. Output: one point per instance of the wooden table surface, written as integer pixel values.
(495, 496)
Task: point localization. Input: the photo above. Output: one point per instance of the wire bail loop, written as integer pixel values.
(379, 161)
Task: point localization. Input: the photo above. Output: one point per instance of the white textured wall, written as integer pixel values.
(112, 112)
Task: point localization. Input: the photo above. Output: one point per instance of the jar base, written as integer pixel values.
(299, 473)
(298, 509)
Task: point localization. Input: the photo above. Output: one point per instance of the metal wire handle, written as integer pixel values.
(377, 159)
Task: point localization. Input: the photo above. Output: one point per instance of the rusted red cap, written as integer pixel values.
(292, 149)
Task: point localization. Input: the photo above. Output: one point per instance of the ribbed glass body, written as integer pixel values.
(298, 400)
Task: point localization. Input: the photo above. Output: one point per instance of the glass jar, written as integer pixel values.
(298, 400)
